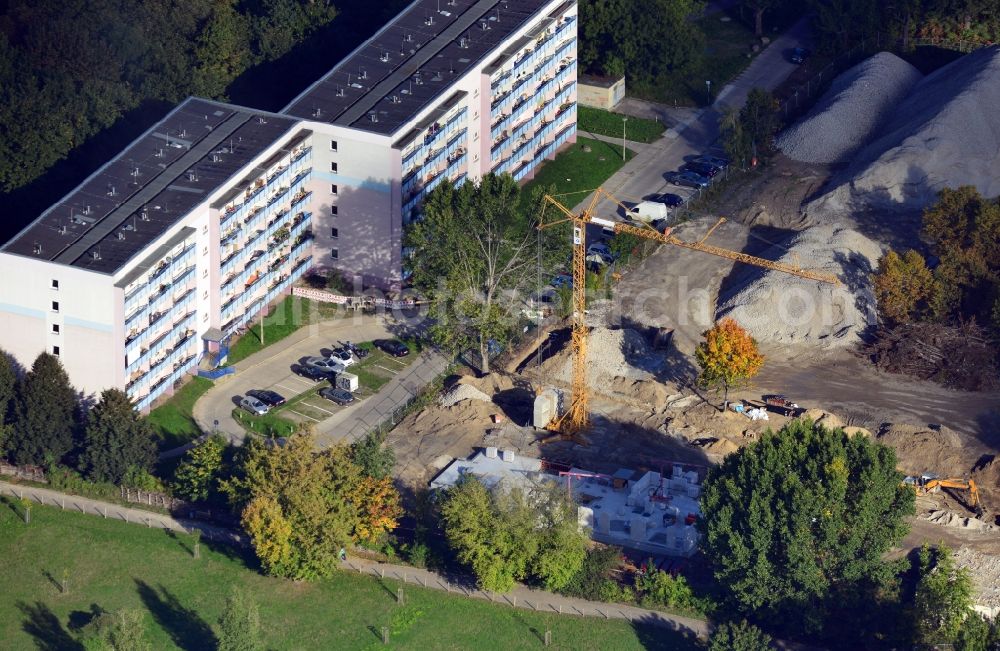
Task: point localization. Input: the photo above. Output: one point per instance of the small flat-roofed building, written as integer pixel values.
(601, 92)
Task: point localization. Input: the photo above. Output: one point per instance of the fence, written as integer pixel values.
(27, 473)
(354, 302)
(136, 496)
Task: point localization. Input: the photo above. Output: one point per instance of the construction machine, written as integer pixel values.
(576, 417)
(927, 483)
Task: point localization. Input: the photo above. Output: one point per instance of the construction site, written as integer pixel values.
(607, 396)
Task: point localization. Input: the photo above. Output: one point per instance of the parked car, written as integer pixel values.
(799, 55)
(358, 351)
(703, 169)
(343, 355)
(601, 250)
(270, 398)
(393, 347)
(339, 396)
(670, 200)
(715, 161)
(562, 280)
(254, 406)
(311, 373)
(326, 364)
(647, 211)
(688, 179)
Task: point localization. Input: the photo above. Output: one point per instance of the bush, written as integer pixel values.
(597, 568)
(143, 480)
(658, 589)
(417, 554)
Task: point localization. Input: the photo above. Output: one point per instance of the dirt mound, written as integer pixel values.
(923, 450)
(944, 133)
(611, 353)
(721, 448)
(959, 521)
(786, 309)
(857, 102)
(462, 392)
(985, 575)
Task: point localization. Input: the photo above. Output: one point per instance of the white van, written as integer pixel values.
(648, 211)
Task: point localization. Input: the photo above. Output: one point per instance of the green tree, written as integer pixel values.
(657, 588)
(742, 636)
(562, 547)
(8, 395)
(801, 520)
(758, 7)
(491, 532)
(904, 287)
(474, 253)
(195, 477)
(728, 357)
(122, 630)
(943, 600)
(964, 231)
(239, 626)
(373, 456)
(978, 634)
(47, 414)
(304, 506)
(116, 440)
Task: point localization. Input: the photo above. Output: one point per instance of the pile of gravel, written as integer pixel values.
(462, 392)
(611, 353)
(945, 133)
(787, 309)
(856, 103)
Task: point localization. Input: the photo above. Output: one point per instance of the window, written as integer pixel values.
(475, 116)
(55, 328)
(204, 273)
(334, 254)
(204, 317)
(333, 189)
(55, 351)
(333, 167)
(204, 251)
(333, 145)
(334, 233)
(55, 306)
(204, 295)
(475, 135)
(55, 284)
(333, 210)
(204, 229)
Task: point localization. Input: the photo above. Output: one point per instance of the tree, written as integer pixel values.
(758, 7)
(904, 287)
(122, 630)
(47, 414)
(562, 547)
(473, 253)
(378, 506)
(964, 231)
(195, 477)
(490, 532)
(800, 521)
(749, 133)
(728, 357)
(302, 507)
(943, 599)
(742, 636)
(373, 456)
(239, 626)
(8, 395)
(116, 440)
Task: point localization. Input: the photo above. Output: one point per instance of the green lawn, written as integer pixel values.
(606, 123)
(285, 318)
(576, 172)
(112, 565)
(270, 424)
(173, 418)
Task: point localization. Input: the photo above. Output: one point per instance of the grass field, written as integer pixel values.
(285, 318)
(576, 172)
(112, 565)
(606, 123)
(173, 418)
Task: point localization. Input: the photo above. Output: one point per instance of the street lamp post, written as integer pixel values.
(708, 85)
(624, 120)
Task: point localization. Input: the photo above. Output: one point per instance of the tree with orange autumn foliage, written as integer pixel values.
(728, 357)
(378, 506)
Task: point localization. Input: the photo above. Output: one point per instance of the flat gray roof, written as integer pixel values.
(136, 197)
(412, 61)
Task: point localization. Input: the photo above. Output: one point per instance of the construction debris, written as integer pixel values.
(959, 521)
(462, 392)
(985, 572)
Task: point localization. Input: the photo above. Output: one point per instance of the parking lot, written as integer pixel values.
(303, 402)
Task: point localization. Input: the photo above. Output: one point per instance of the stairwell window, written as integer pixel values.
(55, 351)
(334, 233)
(333, 188)
(55, 306)
(333, 167)
(333, 145)
(55, 284)
(335, 254)
(55, 328)
(333, 210)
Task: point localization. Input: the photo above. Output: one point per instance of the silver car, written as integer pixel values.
(327, 364)
(254, 406)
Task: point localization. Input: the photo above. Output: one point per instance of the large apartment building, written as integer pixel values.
(160, 256)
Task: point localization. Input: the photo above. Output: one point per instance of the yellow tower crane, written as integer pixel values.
(576, 417)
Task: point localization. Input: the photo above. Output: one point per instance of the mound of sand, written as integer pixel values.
(923, 450)
(959, 521)
(462, 392)
(786, 309)
(944, 133)
(611, 353)
(844, 117)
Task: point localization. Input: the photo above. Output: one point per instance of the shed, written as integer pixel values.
(600, 92)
